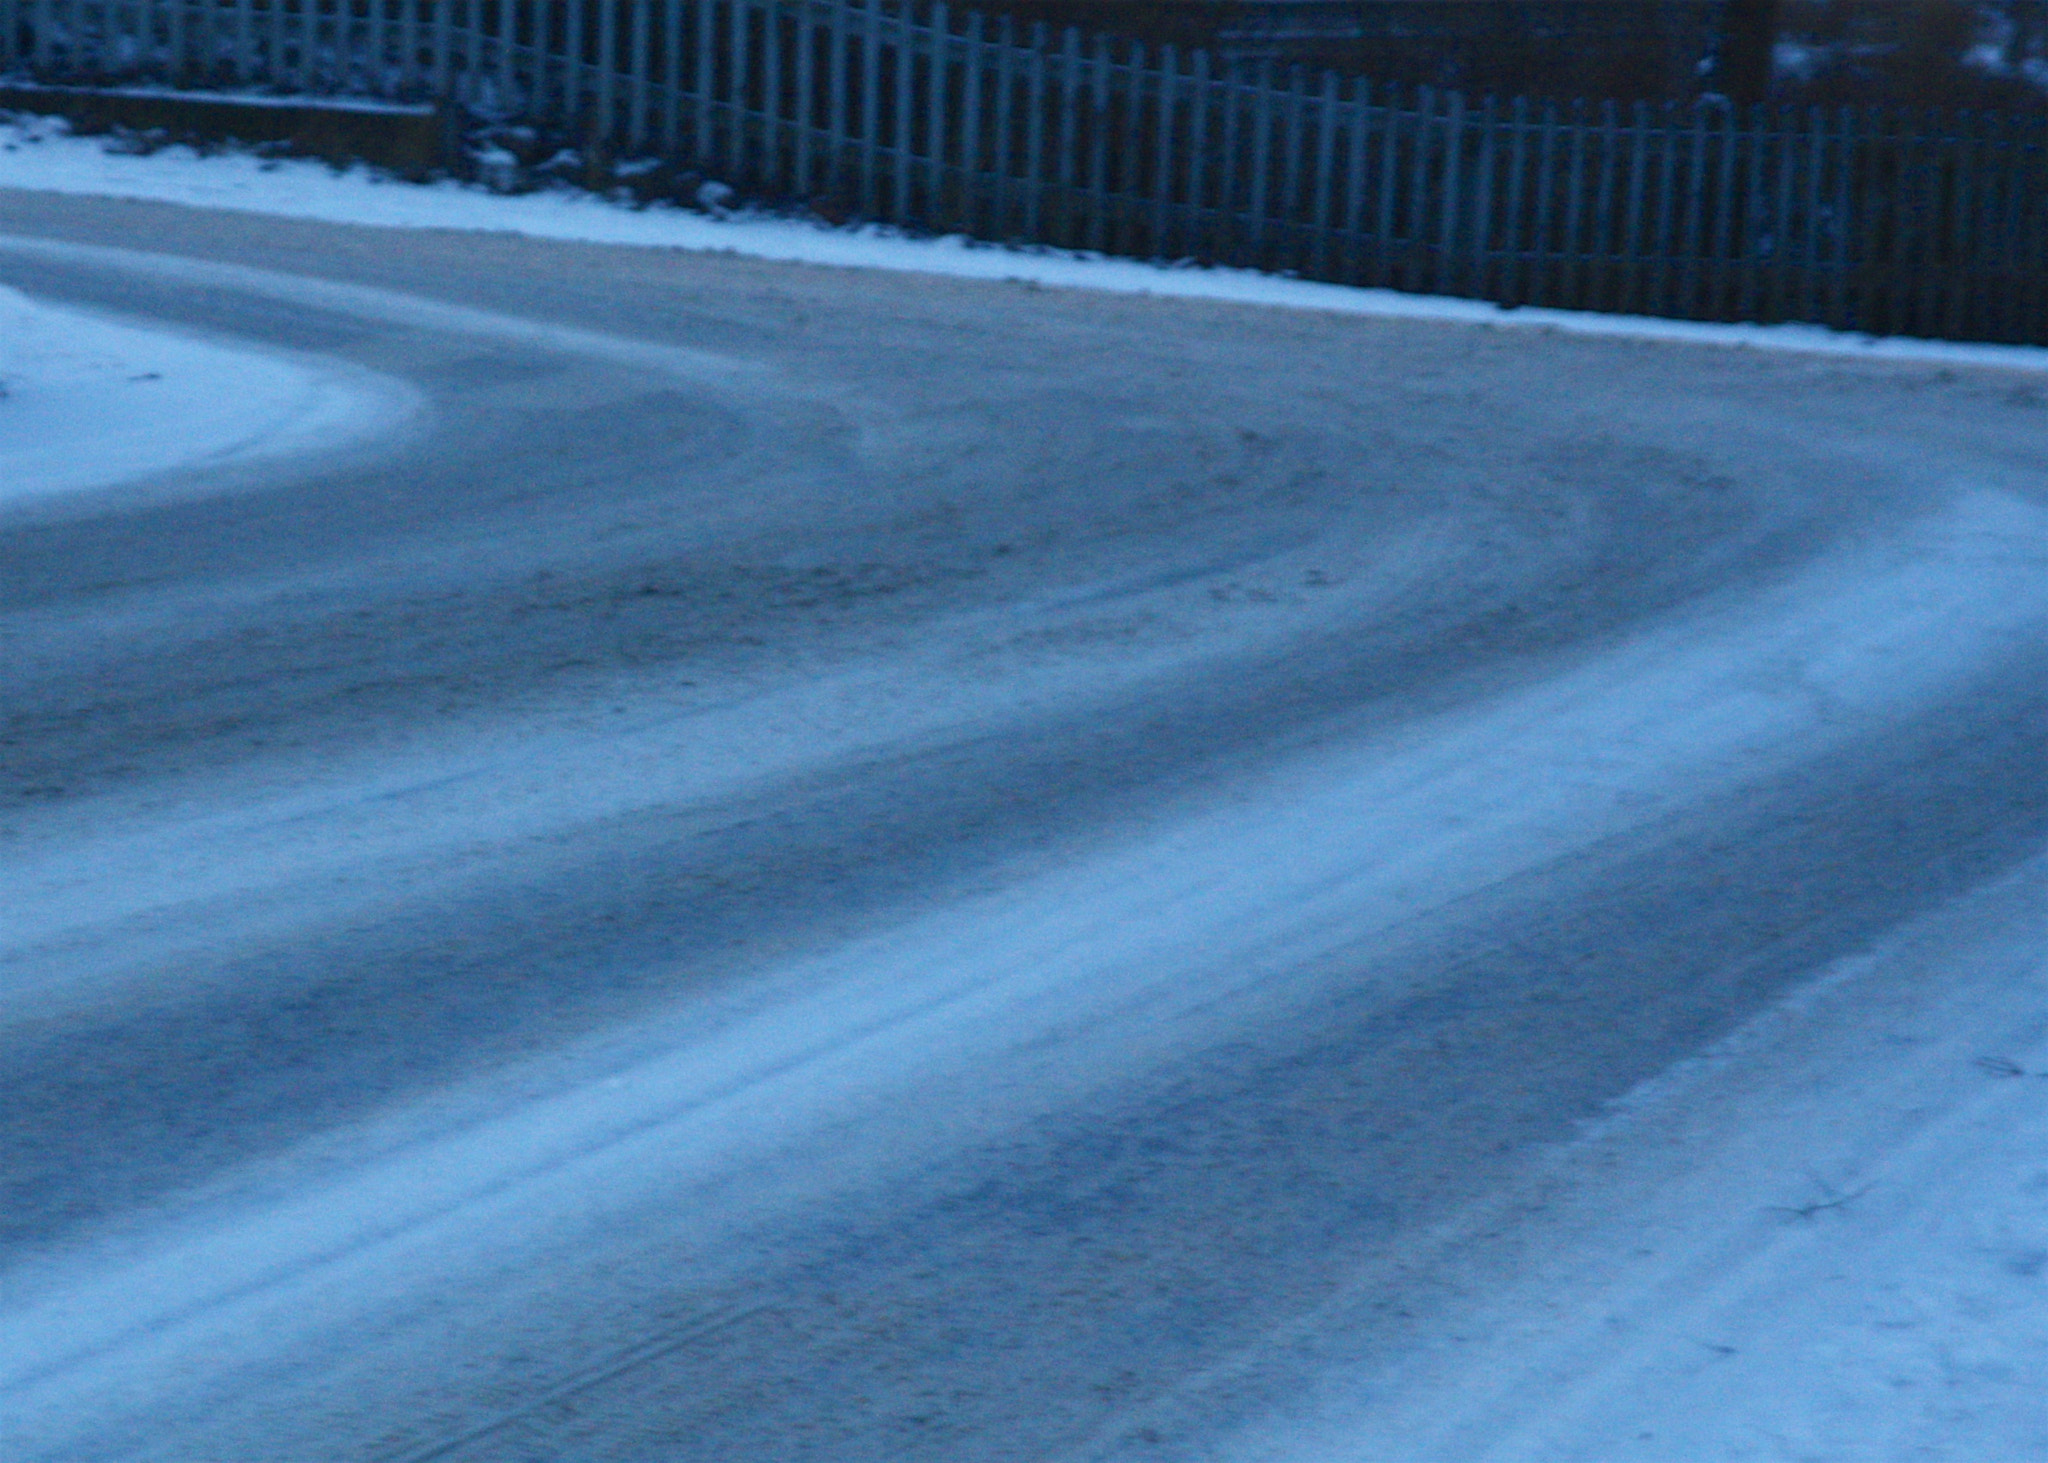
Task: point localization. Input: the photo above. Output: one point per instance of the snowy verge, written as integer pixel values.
(40, 153)
(91, 402)
(1824, 1239)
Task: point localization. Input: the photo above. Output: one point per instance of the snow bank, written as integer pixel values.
(39, 153)
(92, 402)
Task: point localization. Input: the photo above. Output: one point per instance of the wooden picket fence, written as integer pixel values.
(1883, 221)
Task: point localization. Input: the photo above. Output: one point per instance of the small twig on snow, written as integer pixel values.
(1830, 1199)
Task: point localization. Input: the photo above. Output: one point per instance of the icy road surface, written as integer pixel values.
(798, 863)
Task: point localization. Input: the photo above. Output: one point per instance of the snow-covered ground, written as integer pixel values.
(91, 402)
(41, 153)
(1827, 1238)
(1824, 1239)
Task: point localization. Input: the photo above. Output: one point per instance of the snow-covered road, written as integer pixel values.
(774, 862)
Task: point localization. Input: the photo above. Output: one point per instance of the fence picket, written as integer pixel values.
(1415, 272)
(1034, 136)
(1514, 284)
(1255, 213)
(1003, 135)
(1289, 209)
(1450, 197)
(971, 121)
(1127, 161)
(1326, 147)
(1069, 144)
(1227, 232)
(937, 77)
(1194, 233)
(738, 75)
(1358, 123)
(1479, 278)
(902, 90)
(639, 61)
(1386, 254)
(672, 75)
(1629, 297)
(1664, 245)
(1164, 134)
(1098, 145)
(1602, 246)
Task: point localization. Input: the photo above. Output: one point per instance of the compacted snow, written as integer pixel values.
(91, 402)
(1825, 1236)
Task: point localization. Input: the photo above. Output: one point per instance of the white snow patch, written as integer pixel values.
(39, 153)
(90, 402)
(1826, 1240)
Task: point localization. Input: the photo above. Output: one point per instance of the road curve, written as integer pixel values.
(818, 864)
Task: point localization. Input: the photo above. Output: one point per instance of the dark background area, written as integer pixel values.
(1976, 53)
